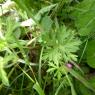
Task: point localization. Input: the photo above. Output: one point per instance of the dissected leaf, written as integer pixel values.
(60, 45)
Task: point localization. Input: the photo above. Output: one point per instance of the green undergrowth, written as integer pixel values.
(47, 47)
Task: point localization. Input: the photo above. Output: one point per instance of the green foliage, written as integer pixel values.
(84, 16)
(44, 58)
(3, 75)
(91, 53)
(3, 45)
(1, 1)
(81, 89)
(42, 11)
(60, 47)
(81, 79)
(60, 44)
(92, 80)
(38, 88)
(46, 23)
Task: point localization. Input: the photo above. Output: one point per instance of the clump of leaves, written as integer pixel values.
(60, 47)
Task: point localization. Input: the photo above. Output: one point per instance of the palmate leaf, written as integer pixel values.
(55, 70)
(60, 45)
(52, 55)
(84, 16)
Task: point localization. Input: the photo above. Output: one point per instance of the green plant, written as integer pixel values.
(47, 47)
(60, 47)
